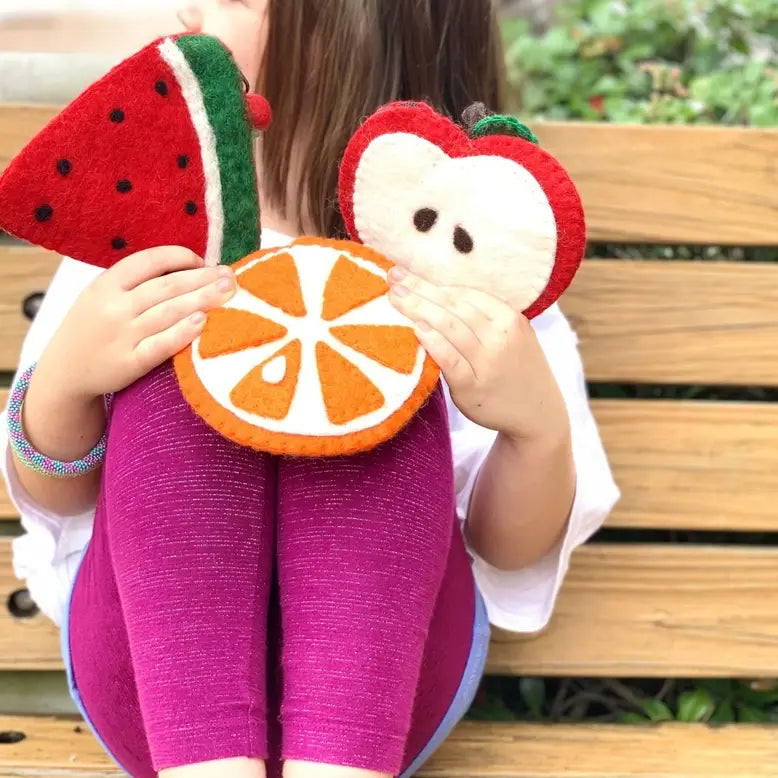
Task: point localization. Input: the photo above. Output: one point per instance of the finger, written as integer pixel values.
(158, 290)
(448, 324)
(154, 350)
(455, 368)
(489, 306)
(168, 313)
(153, 263)
(453, 298)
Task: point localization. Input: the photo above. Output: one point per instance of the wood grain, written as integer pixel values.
(677, 322)
(25, 644)
(657, 611)
(118, 33)
(58, 746)
(651, 184)
(692, 465)
(23, 271)
(672, 184)
(18, 124)
(492, 750)
(632, 611)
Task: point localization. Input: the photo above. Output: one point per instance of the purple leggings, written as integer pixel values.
(235, 604)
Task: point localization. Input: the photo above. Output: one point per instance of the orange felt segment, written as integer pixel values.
(229, 330)
(348, 287)
(271, 399)
(277, 282)
(347, 392)
(393, 346)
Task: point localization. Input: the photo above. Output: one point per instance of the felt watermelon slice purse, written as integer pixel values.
(309, 358)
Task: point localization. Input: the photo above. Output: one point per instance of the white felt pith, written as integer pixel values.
(497, 201)
(193, 95)
(307, 415)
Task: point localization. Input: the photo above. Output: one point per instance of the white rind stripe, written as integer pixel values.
(193, 95)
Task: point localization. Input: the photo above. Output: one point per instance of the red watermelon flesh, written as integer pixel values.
(118, 171)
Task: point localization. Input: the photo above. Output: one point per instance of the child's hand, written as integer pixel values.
(133, 317)
(489, 354)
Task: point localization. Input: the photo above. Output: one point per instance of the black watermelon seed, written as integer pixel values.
(117, 116)
(64, 166)
(463, 241)
(183, 161)
(191, 208)
(425, 219)
(43, 213)
(124, 186)
(119, 243)
(161, 88)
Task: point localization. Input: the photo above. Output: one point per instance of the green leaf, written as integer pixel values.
(493, 709)
(533, 694)
(632, 718)
(719, 687)
(656, 710)
(748, 713)
(695, 706)
(724, 713)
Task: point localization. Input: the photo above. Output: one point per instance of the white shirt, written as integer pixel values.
(48, 552)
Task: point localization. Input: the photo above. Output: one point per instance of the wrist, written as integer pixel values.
(59, 421)
(550, 437)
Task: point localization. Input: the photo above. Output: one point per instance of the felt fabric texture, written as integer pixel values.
(496, 212)
(144, 157)
(502, 125)
(309, 358)
(192, 553)
(221, 84)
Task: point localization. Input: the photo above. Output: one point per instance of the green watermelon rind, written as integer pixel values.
(231, 194)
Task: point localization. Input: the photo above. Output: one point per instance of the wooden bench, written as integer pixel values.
(627, 609)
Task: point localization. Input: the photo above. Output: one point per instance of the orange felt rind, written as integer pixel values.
(309, 358)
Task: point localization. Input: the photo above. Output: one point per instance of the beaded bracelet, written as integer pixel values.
(33, 459)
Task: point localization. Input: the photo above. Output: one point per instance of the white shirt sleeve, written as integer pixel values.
(523, 600)
(47, 553)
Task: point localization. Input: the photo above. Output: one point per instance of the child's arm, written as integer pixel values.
(128, 320)
(522, 500)
(500, 378)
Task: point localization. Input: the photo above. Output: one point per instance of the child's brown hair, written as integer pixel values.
(337, 61)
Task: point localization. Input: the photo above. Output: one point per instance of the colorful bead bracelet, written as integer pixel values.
(33, 459)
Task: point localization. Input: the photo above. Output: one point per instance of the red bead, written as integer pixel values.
(260, 113)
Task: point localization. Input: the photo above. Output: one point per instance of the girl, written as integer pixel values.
(204, 638)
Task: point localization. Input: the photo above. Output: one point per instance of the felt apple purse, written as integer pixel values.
(309, 358)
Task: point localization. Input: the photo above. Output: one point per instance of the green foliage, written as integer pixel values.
(641, 701)
(672, 61)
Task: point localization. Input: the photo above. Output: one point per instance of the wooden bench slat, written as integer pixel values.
(657, 184)
(671, 184)
(475, 750)
(677, 322)
(493, 750)
(53, 746)
(25, 644)
(23, 271)
(625, 610)
(692, 465)
(657, 611)
(717, 320)
(720, 474)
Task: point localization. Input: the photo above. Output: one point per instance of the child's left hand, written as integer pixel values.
(489, 354)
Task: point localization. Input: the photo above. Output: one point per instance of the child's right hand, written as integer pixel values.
(133, 317)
